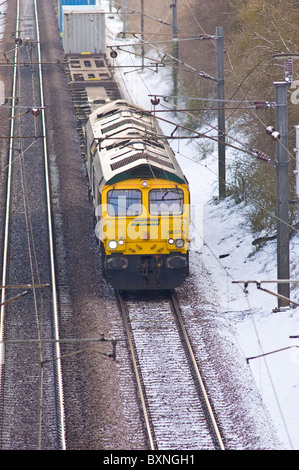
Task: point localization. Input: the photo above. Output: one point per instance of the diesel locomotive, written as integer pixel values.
(140, 198)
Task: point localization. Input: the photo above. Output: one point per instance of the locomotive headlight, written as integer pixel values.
(171, 241)
(121, 242)
(179, 243)
(112, 244)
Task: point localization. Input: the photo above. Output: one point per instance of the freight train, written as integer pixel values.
(140, 198)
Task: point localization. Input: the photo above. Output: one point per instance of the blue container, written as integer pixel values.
(61, 3)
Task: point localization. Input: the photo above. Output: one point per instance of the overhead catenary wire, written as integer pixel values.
(259, 341)
(175, 60)
(262, 61)
(271, 352)
(253, 152)
(256, 153)
(32, 255)
(151, 43)
(260, 345)
(139, 13)
(249, 151)
(8, 201)
(254, 202)
(188, 69)
(193, 69)
(278, 281)
(268, 371)
(24, 191)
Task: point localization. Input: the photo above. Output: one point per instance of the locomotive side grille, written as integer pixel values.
(124, 122)
(161, 162)
(138, 156)
(127, 161)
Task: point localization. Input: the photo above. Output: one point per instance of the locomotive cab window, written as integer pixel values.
(166, 201)
(124, 202)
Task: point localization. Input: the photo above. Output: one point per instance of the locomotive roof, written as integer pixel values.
(127, 142)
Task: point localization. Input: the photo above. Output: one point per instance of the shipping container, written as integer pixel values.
(83, 30)
(61, 3)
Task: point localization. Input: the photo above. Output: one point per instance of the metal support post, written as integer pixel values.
(142, 31)
(297, 161)
(282, 192)
(124, 15)
(221, 112)
(174, 19)
(174, 8)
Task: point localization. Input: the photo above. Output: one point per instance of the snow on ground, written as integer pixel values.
(250, 316)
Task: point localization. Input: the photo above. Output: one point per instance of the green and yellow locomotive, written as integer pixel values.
(140, 198)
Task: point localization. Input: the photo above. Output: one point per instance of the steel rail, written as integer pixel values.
(8, 201)
(4, 285)
(176, 308)
(137, 373)
(51, 244)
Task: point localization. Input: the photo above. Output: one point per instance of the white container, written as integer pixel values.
(83, 29)
(62, 3)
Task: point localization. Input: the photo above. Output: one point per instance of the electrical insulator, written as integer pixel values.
(155, 101)
(113, 54)
(288, 70)
(36, 111)
(205, 36)
(261, 156)
(260, 104)
(273, 132)
(275, 135)
(270, 129)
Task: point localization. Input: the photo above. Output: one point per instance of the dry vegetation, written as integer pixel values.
(255, 32)
(260, 32)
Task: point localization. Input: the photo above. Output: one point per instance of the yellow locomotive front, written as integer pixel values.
(144, 233)
(140, 198)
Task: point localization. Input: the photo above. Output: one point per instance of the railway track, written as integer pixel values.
(175, 404)
(31, 401)
(177, 411)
